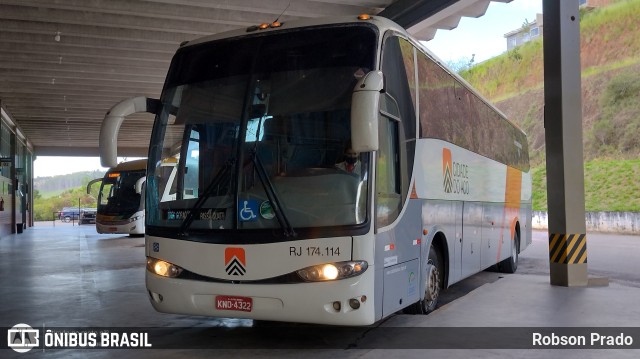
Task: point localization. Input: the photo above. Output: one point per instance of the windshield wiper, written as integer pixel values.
(273, 197)
(215, 182)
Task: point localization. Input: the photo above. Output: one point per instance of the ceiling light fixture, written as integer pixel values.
(57, 37)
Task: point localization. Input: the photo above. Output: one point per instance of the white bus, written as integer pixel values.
(120, 199)
(121, 195)
(265, 226)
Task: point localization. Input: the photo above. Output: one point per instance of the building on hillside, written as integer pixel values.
(594, 3)
(532, 30)
(529, 31)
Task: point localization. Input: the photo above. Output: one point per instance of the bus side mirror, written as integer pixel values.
(111, 125)
(364, 112)
(140, 184)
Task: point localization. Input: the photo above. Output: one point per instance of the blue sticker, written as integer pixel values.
(248, 210)
(156, 247)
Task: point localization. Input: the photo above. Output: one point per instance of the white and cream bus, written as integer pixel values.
(120, 199)
(264, 225)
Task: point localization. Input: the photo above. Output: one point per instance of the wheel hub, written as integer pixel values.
(432, 289)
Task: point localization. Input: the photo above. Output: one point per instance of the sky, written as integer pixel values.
(482, 37)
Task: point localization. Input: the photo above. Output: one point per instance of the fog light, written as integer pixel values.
(354, 303)
(337, 306)
(156, 297)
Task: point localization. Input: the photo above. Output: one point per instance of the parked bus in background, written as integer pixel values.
(120, 199)
(263, 224)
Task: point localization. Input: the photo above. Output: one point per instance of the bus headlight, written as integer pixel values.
(332, 271)
(163, 268)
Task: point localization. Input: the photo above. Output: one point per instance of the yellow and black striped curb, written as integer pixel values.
(568, 248)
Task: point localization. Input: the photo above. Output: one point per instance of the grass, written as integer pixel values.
(610, 185)
(510, 73)
(595, 70)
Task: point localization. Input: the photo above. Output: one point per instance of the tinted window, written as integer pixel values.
(451, 112)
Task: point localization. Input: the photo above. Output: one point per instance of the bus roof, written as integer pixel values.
(134, 165)
(381, 22)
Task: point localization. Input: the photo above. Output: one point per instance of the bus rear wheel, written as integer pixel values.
(433, 285)
(510, 265)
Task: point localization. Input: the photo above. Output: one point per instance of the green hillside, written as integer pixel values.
(610, 185)
(609, 41)
(52, 193)
(610, 62)
(53, 186)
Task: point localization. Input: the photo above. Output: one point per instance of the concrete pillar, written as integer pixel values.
(563, 136)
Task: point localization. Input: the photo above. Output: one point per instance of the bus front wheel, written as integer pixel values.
(433, 284)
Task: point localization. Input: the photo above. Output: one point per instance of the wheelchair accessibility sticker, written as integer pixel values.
(248, 210)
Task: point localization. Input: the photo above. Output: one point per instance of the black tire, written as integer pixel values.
(433, 287)
(67, 219)
(510, 265)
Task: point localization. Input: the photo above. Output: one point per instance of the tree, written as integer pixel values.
(461, 64)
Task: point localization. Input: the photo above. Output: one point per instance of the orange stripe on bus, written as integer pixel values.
(513, 188)
(512, 196)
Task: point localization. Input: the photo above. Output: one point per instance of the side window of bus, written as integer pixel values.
(398, 66)
(388, 197)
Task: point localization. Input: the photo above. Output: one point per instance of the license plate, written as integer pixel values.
(226, 302)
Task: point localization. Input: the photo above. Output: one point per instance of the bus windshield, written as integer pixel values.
(118, 196)
(260, 125)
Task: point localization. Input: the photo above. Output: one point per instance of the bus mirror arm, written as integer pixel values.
(111, 125)
(91, 184)
(364, 112)
(139, 184)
